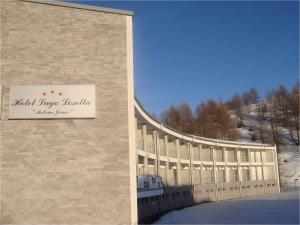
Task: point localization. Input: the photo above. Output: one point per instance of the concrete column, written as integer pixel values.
(238, 159)
(249, 155)
(214, 172)
(224, 154)
(225, 166)
(256, 173)
(250, 176)
(177, 147)
(263, 155)
(250, 173)
(263, 179)
(190, 150)
(201, 165)
(144, 137)
(276, 174)
(263, 163)
(263, 171)
(201, 174)
(200, 152)
(167, 154)
(214, 165)
(226, 173)
(156, 151)
(137, 154)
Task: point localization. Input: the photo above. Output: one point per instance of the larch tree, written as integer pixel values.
(180, 118)
(213, 121)
(262, 129)
(187, 118)
(247, 100)
(293, 124)
(254, 95)
(225, 124)
(282, 95)
(171, 117)
(274, 113)
(236, 102)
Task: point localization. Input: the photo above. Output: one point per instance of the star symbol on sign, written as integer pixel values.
(52, 92)
(44, 93)
(60, 93)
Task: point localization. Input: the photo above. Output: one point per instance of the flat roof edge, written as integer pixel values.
(81, 6)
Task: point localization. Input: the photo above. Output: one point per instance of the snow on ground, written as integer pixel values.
(281, 208)
(289, 161)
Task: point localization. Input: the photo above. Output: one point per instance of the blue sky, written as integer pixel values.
(192, 51)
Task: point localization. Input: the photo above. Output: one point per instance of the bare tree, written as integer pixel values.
(225, 124)
(213, 121)
(254, 95)
(282, 96)
(247, 100)
(171, 117)
(187, 118)
(294, 101)
(273, 110)
(237, 104)
(262, 130)
(293, 124)
(179, 117)
(205, 117)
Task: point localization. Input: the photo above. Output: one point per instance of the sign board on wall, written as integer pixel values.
(51, 101)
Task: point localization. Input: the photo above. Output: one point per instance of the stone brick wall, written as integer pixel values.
(67, 171)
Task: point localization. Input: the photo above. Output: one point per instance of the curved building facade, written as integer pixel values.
(196, 169)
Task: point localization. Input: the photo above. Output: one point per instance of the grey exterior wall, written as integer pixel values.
(65, 171)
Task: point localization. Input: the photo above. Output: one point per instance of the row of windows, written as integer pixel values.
(165, 196)
(200, 152)
(206, 176)
(256, 156)
(198, 191)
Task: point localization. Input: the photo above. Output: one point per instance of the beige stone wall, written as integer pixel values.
(66, 171)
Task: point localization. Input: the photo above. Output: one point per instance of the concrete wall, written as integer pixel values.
(68, 171)
(183, 196)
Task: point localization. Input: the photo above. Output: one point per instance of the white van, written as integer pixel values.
(148, 186)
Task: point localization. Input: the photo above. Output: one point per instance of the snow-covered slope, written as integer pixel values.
(289, 154)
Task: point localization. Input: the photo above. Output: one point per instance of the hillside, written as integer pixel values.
(288, 152)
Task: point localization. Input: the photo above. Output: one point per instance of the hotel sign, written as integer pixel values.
(51, 101)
